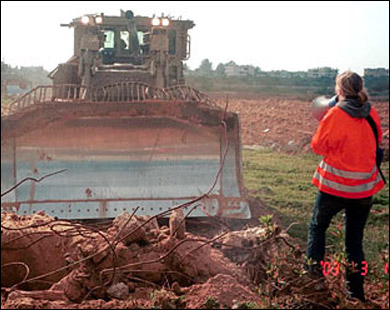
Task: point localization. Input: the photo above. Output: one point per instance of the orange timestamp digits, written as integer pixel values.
(333, 269)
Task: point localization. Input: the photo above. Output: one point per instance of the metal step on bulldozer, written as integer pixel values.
(118, 130)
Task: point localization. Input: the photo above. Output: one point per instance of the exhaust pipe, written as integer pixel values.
(321, 105)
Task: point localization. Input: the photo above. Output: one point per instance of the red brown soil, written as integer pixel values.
(148, 259)
(222, 288)
(285, 124)
(36, 240)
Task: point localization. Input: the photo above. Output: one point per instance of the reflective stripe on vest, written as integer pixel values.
(347, 174)
(346, 188)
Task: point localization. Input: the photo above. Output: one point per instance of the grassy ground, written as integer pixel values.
(283, 182)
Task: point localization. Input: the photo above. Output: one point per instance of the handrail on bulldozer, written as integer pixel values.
(118, 92)
(48, 93)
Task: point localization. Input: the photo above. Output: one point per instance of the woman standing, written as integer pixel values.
(348, 175)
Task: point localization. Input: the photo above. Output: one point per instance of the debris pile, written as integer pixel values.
(136, 262)
(49, 263)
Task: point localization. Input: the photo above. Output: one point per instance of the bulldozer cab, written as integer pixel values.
(117, 131)
(126, 47)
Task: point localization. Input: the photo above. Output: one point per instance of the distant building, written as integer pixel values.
(281, 74)
(232, 69)
(15, 85)
(299, 74)
(322, 72)
(376, 72)
(287, 74)
(262, 74)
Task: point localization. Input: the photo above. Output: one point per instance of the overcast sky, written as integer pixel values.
(293, 35)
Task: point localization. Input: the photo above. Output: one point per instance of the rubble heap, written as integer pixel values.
(129, 262)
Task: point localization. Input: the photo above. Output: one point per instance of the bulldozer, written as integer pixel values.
(14, 87)
(120, 131)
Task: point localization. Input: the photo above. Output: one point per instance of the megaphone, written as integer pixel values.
(321, 105)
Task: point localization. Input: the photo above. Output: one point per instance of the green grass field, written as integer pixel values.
(283, 182)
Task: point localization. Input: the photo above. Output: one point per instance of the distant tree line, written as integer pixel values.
(377, 84)
(36, 75)
(319, 80)
(209, 79)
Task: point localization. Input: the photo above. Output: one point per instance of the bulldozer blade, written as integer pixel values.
(146, 157)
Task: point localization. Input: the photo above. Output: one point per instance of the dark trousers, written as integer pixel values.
(325, 208)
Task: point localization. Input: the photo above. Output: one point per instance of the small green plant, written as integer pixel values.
(266, 220)
(246, 305)
(164, 299)
(212, 303)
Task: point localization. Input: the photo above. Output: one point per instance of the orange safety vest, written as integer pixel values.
(348, 143)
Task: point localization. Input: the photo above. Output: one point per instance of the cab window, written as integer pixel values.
(124, 43)
(172, 42)
(109, 39)
(144, 41)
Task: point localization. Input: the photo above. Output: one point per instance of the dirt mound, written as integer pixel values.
(286, 124)
(220, 291)
(61, 264)
(34, 235)
(134, 263)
